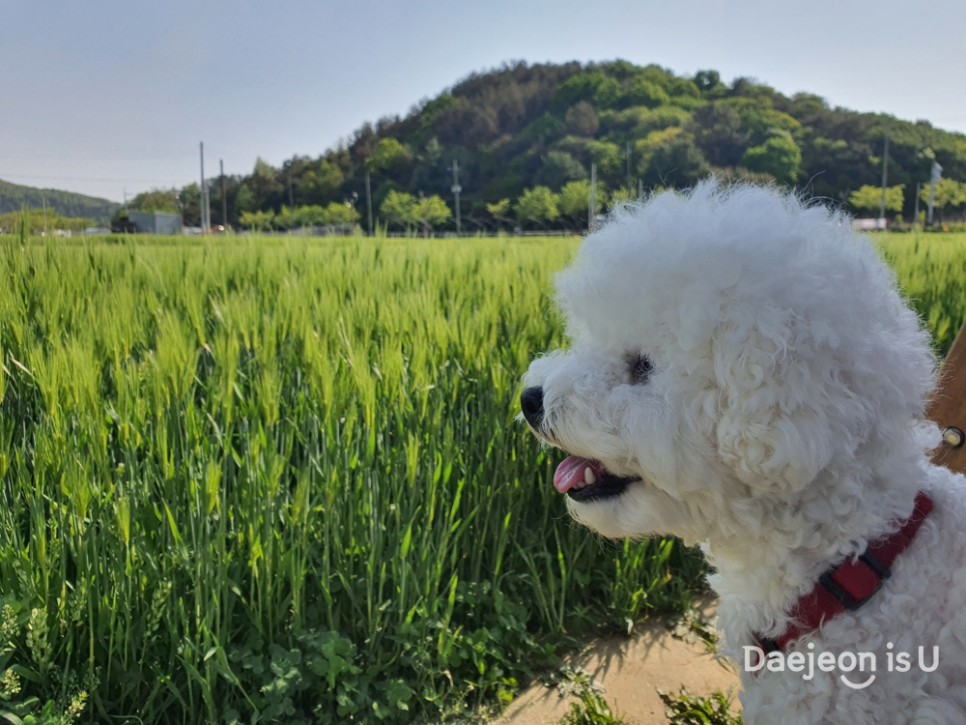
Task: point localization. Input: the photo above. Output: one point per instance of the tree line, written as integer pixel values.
(948, 198)
(87, 209)
(526, 137)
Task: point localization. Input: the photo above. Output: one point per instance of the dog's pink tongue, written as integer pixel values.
(572, 471)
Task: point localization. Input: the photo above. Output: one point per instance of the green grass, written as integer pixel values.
(255, 480)
(932, 271)
(282, 479)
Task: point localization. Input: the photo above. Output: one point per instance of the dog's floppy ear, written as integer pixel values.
(771, 428)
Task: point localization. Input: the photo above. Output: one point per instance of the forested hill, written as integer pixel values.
(528, 125)
(544, 124)
(14, 197)
(524, 127)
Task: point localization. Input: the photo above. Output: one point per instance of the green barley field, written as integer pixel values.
(281, 479)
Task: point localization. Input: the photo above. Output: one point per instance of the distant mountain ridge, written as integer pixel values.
(640, 127)
(521, 126)
(14, 197)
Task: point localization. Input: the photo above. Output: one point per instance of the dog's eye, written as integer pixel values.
(640, 368)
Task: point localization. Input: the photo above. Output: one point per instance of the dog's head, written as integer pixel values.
(728, 346)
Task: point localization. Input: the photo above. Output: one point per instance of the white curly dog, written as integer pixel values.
(744, 374)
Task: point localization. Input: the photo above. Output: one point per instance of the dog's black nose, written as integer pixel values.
(531, 401)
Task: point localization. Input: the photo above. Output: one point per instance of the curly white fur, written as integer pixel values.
(781, 428)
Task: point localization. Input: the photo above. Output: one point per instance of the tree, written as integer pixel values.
(559, 167)
(720, 134)
(869, 198)
(622, 195)
(609, 157)
(286, 218)
(340, 215)
(189, 198)
(949, 194)
(537, 206)
(834, 166)
(257, 221)
(244, 199)
(265, 185)
(433, 151)
(709, 83)
(778, 156)
(310, 215)
(388, 154)
(165, 200)
(581, 119)
(319, 182)
(670, 158)
(430, 211)
(499, 211)
(397, 208)
(315, 215)
(644, 92)
(594, 86)
(574, 201)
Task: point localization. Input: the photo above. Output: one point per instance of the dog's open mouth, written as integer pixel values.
(584, 479)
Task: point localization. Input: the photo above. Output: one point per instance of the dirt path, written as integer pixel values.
(631, 670)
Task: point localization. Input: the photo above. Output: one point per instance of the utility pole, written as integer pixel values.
(592, 198)
(456, 192)
(224, 199)
(915, 213)
(369, 201)
(934, 178)
(291, 194)
(202, 198)
(885, 176)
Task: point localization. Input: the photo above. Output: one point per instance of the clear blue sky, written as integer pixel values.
(109, 97)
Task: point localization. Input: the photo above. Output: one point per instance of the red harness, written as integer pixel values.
(849, 585)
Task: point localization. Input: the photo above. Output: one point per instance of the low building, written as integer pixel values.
(155, 222)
